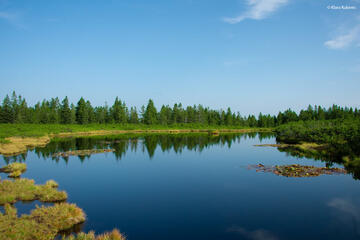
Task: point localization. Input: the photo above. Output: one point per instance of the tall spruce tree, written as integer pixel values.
(118, 111)
(82, 116)
(65, 112)
(134, 118)
(150, 115)
(7, 114)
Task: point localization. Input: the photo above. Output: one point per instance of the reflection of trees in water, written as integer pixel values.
(330, 156)
(146, 143)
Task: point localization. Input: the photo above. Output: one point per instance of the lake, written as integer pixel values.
(196, 186)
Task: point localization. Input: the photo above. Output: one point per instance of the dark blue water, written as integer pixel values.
(198, 187)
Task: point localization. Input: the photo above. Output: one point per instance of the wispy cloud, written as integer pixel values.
(12, 18)
(257, 10)
(259, 234)
(344, 40)
(355, 68)
(347, 208)
(8, 16)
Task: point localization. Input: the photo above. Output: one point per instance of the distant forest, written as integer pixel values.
(14, 109)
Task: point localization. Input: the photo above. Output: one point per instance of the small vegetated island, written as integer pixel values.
(331, 135)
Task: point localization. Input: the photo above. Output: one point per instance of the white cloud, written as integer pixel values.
(258, 9)
(344, 40)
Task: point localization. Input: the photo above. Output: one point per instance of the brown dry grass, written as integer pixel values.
(21, 144)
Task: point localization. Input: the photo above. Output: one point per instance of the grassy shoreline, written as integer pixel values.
(18, 138)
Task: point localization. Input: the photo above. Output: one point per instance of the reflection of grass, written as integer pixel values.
(43, 223)
(24, 189)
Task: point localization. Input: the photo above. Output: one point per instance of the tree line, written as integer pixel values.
(15, 109)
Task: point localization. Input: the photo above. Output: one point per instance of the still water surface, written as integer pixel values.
(196, 187)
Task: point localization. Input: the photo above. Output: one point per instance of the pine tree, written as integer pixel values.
(150, 115)
(90, 112)
(65, 112)
(73, 113)
(228, 117)
(22, 114)
(118, 111)
(82, 116)
(163, 115)
(134, 118)
(54, 110)
(7, 114)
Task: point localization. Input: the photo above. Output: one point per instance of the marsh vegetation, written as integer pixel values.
(45, 222)
(296, 170)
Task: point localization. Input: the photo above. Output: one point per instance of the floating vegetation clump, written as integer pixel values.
(43, 223)
(14, 169)
(24, 189)
(114, 235)
(296, 170)
(61, 216)
(86, 152)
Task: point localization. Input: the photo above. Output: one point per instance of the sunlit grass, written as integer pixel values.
(43, 223)
(24, 189)
(114, 235)
(14, 169)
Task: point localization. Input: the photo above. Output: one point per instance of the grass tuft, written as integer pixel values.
(114, 235)
(24, 189)
(43, 223)
(14, 169)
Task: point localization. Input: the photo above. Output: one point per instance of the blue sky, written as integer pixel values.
(251, 55)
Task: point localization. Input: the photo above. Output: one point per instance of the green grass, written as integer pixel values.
(38, 130)
(114, 235)
(3, 140)
(24, 189)
(14, 169)
(43, 223)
